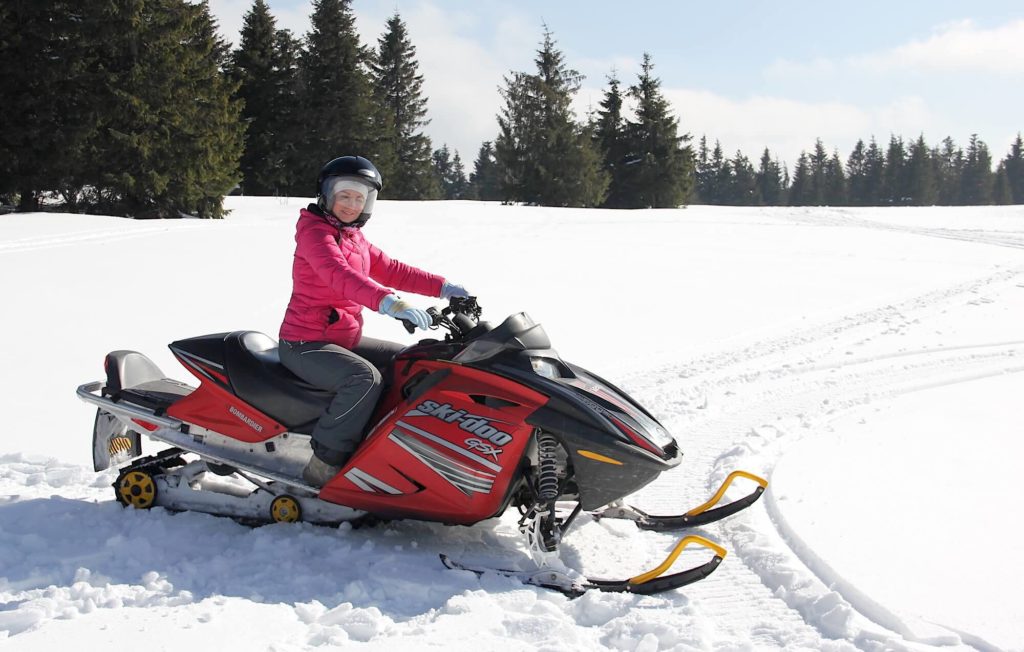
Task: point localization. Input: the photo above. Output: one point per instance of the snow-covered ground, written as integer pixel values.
(865, 361)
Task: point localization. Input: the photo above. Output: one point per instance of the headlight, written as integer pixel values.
(545, 367)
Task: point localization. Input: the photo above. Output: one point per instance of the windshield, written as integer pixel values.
(517, 333)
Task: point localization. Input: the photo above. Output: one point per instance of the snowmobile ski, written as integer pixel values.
(647, 583)
(697, 516)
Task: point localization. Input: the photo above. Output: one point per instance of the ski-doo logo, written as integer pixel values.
(471, 423)
(249, 421)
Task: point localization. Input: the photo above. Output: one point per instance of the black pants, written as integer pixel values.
(355, 378)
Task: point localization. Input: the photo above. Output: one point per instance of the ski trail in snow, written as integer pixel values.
(844, 217)
(743, 409)
(109, 235)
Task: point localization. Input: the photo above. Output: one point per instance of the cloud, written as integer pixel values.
(958, 47)
(461, 75)
(787, 127)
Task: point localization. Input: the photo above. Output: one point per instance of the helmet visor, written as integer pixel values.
(333, 186)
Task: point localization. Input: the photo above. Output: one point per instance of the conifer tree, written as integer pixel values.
(716, 175)
(264, 67)
(170, 138)
(976, 182)
(1014, 168)
(398, 88)
(818, 161)
(922, 189)
(663, 174)
(801, 192)
(48, 64)
(338, 112)
(545, 157)
(856, 175)
(702, 171)
(743, 189)
(610, 136)
(1002, 194)
(949, 162)
(484, 180)
(894, 178)
(874, 174)
(835, 190)
(770, 186)
(450, 174)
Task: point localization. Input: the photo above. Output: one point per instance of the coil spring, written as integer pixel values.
(547, 463)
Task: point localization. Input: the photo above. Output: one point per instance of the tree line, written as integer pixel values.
(139, 107)
(901, 174)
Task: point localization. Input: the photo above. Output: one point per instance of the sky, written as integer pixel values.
(748, 74)
(867, 362)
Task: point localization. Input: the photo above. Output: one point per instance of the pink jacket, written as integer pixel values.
(332, 272)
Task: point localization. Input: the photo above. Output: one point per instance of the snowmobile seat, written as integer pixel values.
(155, 394)
(258, 378)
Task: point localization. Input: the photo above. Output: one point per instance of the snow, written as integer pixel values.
(866, 361)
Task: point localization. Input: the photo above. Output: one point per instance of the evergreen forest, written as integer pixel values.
(140, 108)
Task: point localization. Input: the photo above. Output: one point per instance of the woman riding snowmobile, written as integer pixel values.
(335, 274)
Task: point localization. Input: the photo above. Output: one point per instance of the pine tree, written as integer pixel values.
(264, 68)
(874, 174)
(949, 164)
(48, 64)
(338, 112)
(895, 179)
(1014, 166)
(743, 187)
(977, 180)
(663, 174)
(835, 189)
(398, 88)
(545, 157)
(716, 175)
(703, 173)
(922, 189)
(610, 137)
(1002, 194)
(170, 137)
(818, 161)
(801, 192)
(769, 180)
(295, 177)
(450, 174)
(856, 175)
(484, 181)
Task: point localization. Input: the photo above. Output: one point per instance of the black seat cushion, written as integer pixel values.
(259, 379)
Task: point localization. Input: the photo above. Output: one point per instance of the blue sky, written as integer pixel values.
(749, 74)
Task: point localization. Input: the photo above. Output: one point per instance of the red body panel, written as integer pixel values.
(443, 455)
(211, 406)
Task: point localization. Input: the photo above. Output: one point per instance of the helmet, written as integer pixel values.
(348, 168)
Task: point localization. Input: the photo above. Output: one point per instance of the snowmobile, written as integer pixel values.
(486, 418)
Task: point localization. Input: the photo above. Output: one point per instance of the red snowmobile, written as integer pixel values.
(486, 418)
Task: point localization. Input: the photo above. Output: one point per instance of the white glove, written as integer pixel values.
(392, 306)
(449, 290)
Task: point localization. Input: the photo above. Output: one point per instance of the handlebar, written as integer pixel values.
(460, 316)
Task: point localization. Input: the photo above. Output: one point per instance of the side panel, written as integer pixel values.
(449, 454)
(213, 407)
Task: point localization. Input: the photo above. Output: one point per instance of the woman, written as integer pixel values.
(335, 274)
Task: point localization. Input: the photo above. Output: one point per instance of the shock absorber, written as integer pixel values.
(539, 523)
(547, 468)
